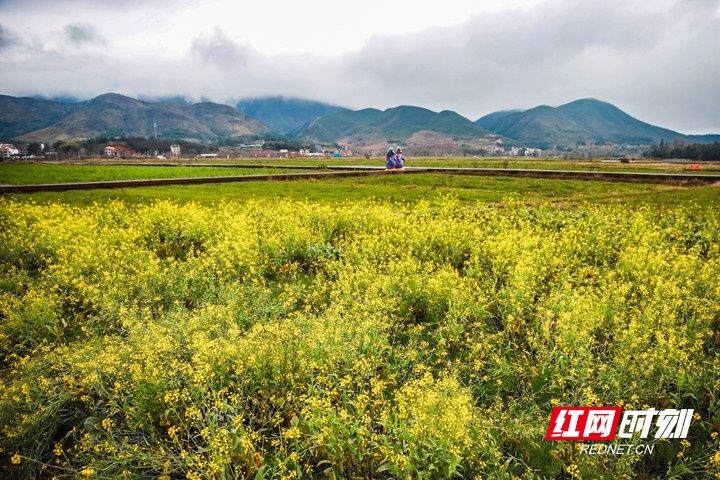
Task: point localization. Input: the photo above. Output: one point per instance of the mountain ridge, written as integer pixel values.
(113, 114)
(580, 122)
(577, 124)
(392, 124)
(284, 114)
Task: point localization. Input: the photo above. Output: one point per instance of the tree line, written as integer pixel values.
(690, 151)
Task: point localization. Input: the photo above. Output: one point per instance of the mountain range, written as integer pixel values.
(582, 122)
(394, 124)
(111, 114)
(579, 123)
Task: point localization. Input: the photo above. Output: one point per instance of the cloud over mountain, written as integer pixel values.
(657, 59)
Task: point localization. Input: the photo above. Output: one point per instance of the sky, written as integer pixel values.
(658, 60)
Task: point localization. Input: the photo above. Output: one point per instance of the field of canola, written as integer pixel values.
(290, 339)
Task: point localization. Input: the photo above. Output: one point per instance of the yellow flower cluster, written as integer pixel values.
(364, 340)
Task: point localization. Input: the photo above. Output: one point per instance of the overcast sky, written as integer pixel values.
(657, 60)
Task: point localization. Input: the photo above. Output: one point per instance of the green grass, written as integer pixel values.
(405, 188)
(492, 162)
(33, 173)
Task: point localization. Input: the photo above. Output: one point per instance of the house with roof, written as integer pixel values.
(121, 151)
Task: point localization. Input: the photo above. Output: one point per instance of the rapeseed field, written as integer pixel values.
(291, 339)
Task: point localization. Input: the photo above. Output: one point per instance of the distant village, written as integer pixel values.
(494, 146)
(123, 150)
(259, 149)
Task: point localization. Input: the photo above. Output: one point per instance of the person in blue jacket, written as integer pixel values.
(399, 158)
(390, 159)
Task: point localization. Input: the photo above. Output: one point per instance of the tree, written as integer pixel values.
(34, 149)
(694, 151)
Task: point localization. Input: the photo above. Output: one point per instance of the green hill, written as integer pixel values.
(283, 114)
(394, 124)
(224, 121)
(582, 122)
(541, 126)
(112, 114)
(489, 121)
(20, 115)
(607, 123)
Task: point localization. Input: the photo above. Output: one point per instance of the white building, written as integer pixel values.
(495, 149)
(110, 151)
(175, 150)
(8, 150)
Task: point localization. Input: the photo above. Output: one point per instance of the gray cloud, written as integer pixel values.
(82, 33)
(219, 49)
(659, 64)
(7, 38)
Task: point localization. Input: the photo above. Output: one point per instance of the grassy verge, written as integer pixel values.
(492, 162)
(467, 162)
(405, 188)
(33, 173)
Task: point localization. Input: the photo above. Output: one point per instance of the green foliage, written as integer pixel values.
(693, 151)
